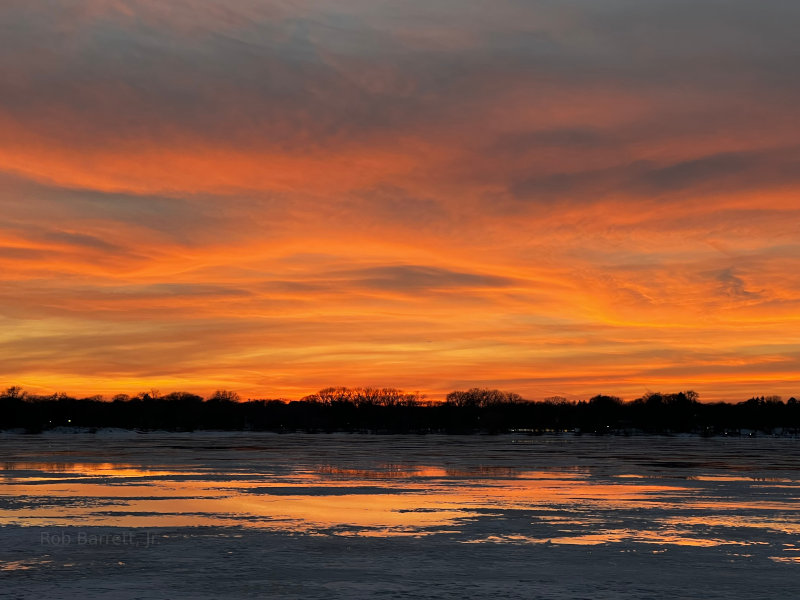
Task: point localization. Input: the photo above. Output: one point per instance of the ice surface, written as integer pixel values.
(246, 515)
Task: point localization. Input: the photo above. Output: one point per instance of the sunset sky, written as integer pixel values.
(549, 197)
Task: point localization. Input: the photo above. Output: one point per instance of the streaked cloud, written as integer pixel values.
(556, 198)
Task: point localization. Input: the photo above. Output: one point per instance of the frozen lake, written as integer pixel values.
(247, 515)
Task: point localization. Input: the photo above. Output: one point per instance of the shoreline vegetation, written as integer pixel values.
(388, 410)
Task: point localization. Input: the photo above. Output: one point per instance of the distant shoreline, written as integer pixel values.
(112, 431)
(389, 411)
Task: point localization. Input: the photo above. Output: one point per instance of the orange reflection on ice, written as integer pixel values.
(79, 470)
(400, 499)
(739, 520)
(23, 565)
(389, 500)
(670, 537)
(388, 472)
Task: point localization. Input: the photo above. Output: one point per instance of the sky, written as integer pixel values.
(548, 197)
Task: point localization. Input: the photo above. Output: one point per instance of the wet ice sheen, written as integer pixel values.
(559, 490)
(734, 498)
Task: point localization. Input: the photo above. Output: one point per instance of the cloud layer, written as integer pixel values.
(552, 197)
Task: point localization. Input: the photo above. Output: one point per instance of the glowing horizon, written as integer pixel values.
(274, 198)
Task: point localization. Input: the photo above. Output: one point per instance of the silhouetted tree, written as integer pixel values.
(392, 410)
(557, 401)
(482, 397)
(14, 392)
(224, 396)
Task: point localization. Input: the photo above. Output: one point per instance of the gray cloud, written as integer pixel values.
(733, 285)
(183, 290)
(19, 253)
(334, 75)
(81, 240)
(43, 212)
(724, 171)
(413, 278)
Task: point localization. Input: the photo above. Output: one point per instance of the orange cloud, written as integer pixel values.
(278, 198)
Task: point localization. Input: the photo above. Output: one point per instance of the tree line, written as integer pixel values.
(389, 410)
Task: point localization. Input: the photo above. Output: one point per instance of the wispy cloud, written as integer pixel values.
(272, 196)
